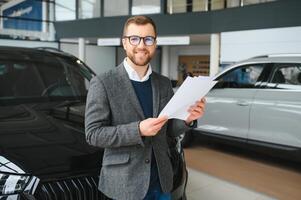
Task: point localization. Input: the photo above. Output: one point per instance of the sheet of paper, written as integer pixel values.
(191, 90)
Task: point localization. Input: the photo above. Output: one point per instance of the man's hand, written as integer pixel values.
(196, 111)
(151, 126)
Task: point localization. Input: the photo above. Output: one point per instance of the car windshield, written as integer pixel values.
(43, 76)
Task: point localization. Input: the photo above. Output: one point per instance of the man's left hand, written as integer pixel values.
(196, 111)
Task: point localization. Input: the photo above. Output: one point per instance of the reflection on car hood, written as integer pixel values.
(9, 167)
(42, 145)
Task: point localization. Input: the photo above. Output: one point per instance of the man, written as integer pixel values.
(121, 117)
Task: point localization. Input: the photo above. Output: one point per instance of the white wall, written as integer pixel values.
(241, 45)
(176, 51)
(25, 43)
(99, 59)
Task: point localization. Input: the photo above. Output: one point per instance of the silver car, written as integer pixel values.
(256, 102)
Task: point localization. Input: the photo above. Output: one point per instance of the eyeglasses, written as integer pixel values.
(135, 40)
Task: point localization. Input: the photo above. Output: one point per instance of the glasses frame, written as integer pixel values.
(143, 38)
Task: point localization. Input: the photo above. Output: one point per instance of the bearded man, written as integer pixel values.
(122, 117)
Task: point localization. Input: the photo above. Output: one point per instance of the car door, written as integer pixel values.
(228, 104)
(276, 112)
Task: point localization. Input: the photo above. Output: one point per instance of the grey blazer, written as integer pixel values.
(112, 116)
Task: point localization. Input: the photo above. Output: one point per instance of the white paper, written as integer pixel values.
(191, 90)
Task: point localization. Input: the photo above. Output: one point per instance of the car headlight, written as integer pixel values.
(12, 183)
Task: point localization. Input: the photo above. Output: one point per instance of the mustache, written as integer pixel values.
(141, 50)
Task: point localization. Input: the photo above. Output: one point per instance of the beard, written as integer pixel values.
(140, 57)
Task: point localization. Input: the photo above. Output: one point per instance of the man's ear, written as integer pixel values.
(123, 43)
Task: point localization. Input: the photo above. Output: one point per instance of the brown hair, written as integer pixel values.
(139, 20)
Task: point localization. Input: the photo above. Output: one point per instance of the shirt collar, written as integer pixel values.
(133, 75)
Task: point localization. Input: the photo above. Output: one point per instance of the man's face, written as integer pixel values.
(141, 54)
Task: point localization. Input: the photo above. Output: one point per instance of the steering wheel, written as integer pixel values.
(48, 90)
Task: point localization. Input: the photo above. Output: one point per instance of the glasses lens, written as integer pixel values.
(134, 40)
(149, 40)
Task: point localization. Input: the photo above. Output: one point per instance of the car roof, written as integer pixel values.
(25, 51)
(269, 58)
(283, 58)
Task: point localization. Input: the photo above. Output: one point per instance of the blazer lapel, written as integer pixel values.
(156, 94)
(127, 88)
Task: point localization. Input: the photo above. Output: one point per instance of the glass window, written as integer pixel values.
(241, 77)
(88, 9)
(286, 76)
(217, 4)
(233, 3)
(116, 7)
(199, 5)
(249, 2)
(146, 7)
(64, 10)
(176, 6)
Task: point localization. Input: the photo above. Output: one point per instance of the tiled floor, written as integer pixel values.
(202, 186)
(235, 174)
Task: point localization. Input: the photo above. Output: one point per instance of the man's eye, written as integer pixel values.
(148, 39)
(134, 39)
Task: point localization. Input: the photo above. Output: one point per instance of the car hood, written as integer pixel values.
(44, 146)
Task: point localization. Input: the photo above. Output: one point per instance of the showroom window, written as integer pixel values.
(88, 8)
(176, 6)
(116, 7)
(233, 3)
(242, 77)
(146, 7)
(65, 10)
(217, 4)
(199, 5)
(249, 2)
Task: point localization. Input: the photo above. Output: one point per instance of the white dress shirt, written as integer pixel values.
(133, 75)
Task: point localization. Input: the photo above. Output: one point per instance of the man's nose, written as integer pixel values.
(141, 43)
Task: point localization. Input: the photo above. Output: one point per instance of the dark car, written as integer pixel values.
(43, 151)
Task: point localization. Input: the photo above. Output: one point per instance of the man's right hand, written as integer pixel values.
(151, 126)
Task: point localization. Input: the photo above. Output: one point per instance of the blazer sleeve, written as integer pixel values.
(98, 129)
(176, 127)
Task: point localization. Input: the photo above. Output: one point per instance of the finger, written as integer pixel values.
(159, 123)
(160, 120)
(197, 113)
(201, 106)
(156, 129)
(201, 103)
(196, 107)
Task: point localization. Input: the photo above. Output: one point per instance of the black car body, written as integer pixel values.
(43, 151)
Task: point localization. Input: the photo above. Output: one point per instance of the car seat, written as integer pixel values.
(299, 78)
(278, 77)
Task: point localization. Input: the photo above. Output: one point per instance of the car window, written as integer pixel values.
(241, 77)
(46, 76)
(286, 76)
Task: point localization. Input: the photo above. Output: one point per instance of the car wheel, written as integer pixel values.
(187, 139)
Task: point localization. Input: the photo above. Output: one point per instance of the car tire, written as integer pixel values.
(187, 139)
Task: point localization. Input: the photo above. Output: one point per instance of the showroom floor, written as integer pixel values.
(202, 186)
(217, 173)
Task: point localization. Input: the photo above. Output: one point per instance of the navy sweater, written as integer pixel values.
(144, 94)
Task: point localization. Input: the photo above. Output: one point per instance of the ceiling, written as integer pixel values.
(3, 2)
